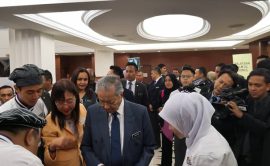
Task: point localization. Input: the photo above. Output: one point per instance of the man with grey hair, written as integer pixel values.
(117, 132)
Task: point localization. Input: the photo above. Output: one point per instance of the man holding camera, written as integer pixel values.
(222, 120)
(256, 121)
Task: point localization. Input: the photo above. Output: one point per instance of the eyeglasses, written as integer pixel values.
(186, 76)
(67, 102)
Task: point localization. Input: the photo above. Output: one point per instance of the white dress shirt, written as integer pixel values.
(158, 79)
(39, 108)
(132, 86)
(11, 154)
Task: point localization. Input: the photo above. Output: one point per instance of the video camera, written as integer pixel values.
(229, 94)
(204, 87)
(193, 87)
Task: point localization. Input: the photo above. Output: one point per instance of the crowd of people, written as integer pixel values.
(205, 118)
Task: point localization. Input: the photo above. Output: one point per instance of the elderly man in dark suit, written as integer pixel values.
(139, 89)
(117, 132)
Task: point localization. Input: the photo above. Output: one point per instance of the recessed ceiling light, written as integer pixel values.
(174, 27)
(118, 35)
(261, 27)
(236, 25)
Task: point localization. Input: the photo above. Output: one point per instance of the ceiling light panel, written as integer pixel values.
(71, 23)
(182, 45)
(175, 27)
(77, 23)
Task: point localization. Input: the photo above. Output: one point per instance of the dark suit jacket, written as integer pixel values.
(256, 121)
(154, 93)
(139, 141)
(46, 97)
(141, 95)
(128, 95)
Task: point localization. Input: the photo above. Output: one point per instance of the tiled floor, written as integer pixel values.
(157, 158)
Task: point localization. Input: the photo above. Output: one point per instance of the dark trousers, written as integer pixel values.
(166, 157)
(179, 151)
(154, 117)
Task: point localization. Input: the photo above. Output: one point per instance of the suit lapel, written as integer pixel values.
(136, 88)
(124, 83)
(158, 82)
(102, 121)
(151, 86)
(128, 127)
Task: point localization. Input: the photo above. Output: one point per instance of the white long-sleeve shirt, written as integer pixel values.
(210, 150)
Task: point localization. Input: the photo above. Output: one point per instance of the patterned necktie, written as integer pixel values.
(115, 141)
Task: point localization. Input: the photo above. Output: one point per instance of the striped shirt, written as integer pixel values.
(39, 108)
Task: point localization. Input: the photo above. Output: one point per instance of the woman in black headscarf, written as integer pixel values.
(171, 84)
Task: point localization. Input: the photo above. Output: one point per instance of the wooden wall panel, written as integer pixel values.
(70, 63)
(268, 49)
(65, 65)
(207, 59)
(121, 59)
(258, 48)
(57, 67)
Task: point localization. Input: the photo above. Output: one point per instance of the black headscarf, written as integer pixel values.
(167, 91)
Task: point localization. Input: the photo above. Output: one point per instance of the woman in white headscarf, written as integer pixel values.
(189, 116)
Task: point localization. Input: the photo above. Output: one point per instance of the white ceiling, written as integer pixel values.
(120, 21)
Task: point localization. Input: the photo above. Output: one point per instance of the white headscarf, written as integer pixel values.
(190, 113)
